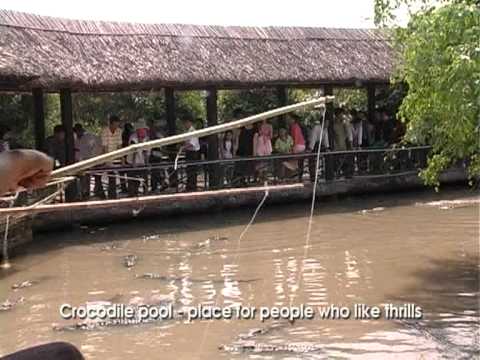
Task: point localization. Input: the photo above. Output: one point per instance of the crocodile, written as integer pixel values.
(10, 304)
(154, 276)
(24, 284)
(255, 347)
(206, 243)
(263, 331)
(130, 261)
(110, 247)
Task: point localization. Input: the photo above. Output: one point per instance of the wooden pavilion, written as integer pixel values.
(41, 54)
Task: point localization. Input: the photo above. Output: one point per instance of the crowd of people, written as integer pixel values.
(346, 130)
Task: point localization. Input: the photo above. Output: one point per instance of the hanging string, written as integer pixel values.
(312, 206)
(237, 251)
(5, 261)
(314, 192)
(257, 210)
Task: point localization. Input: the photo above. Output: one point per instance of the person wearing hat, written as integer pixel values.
(138, 158)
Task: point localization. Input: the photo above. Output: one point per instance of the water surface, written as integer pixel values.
(397, 251)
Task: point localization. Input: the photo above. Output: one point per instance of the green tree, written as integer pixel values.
(438, 57)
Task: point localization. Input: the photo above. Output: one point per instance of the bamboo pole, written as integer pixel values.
(144, 200)
(88, 163)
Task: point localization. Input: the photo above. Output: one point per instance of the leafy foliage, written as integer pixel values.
(439, 60)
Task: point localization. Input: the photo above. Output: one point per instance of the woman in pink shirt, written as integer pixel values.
(262, 146)
(262, 141)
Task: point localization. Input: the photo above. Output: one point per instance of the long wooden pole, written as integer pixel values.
(135, 202)
(86, 164)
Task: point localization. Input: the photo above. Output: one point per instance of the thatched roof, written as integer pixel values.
(54, 53)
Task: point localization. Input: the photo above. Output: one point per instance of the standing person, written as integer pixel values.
(315, 143)
(112, 140)
(296, 134)
(159, 176)
(314, 140)
(262, 140)
(87, 146)
(356, 130)
(55, 145)
(262, 146)
(226, 148)
(192, 153)
(244, 169)
(344, 162)
(226, 152)
(284, 145)
(237, 115)
(127, 131)
(298, 138)
(138, 158)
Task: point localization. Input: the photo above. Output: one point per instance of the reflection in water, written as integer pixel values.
(426, 255)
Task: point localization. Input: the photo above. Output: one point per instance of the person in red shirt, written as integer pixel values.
(297, 134)
(298, 141)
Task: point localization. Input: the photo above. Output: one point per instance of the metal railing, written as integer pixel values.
(164, 177)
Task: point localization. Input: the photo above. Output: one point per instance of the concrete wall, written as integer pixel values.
(180, 204)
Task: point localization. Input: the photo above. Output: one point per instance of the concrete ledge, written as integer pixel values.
(65, 215)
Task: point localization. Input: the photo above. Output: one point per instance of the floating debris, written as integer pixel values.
(375, 209)
(10, 304)
(150, 237)
(130, 261)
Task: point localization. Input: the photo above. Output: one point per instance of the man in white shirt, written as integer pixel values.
(315, 134)
(112, 140)
(192, 153)
(138, 159)
(87, 146)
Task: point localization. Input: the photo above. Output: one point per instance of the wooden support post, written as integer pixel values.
(170, 111)
(329, 118)
(282, 94)
(67, 122)
(171, 130)
(212, 120)
(39, 119)
(329, 114)
(371, 103)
